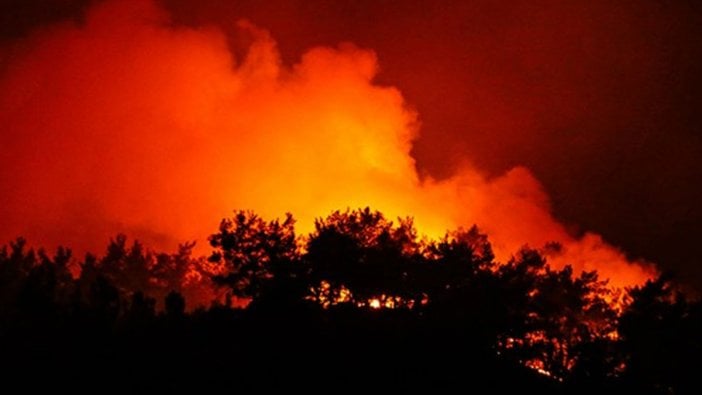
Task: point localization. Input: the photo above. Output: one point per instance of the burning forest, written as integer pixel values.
(129, 122)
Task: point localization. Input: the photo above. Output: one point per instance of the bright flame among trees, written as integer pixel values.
(536, 314)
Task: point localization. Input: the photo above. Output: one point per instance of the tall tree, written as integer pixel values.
(361, 251)
(258, 257)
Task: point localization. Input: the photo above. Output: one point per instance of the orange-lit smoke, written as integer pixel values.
(128, 124)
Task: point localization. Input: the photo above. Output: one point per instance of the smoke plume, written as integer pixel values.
(129, 124)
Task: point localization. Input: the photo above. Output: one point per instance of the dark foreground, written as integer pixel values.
(364, 307)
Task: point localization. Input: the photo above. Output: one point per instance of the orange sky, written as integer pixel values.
(129, 124)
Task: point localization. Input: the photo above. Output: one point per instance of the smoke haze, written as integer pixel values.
(129, 123)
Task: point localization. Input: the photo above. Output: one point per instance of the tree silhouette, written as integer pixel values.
(129, 268)
(258, 257)
(183, 274)
(660, 334)
(444, 312)
(15, 264)
(175, 305)
(365, 253)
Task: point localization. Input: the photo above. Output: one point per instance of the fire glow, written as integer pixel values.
(127, 124)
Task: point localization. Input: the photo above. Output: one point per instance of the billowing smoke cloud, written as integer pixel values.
(128, 124)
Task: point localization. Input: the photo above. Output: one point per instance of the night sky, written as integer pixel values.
(599, 100)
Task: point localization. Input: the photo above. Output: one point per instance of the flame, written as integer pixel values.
(328, 296)
(128, 124)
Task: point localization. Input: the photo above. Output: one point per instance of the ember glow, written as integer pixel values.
(128, 124)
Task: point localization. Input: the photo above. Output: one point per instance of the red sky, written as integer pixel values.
(599, 101)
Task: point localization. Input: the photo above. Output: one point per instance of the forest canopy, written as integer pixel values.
(358, 282)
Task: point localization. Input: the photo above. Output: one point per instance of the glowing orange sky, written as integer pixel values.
(129, 125)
